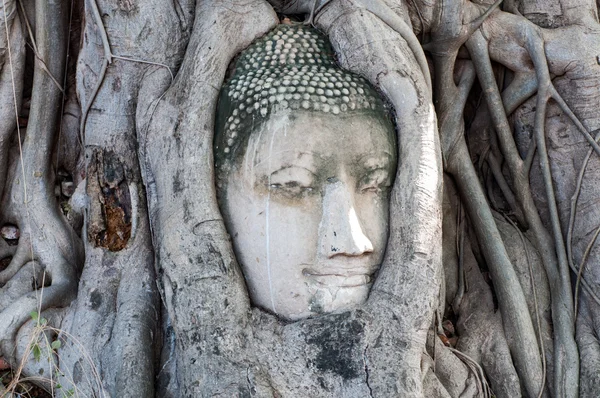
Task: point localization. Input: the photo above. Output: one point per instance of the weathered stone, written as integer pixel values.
(67, 188)
(9, 232)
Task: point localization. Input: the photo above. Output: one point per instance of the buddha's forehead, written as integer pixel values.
(310, 139)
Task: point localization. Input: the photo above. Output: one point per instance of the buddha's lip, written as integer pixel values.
(353, 277)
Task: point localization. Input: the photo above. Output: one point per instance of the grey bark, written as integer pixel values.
(159, 289)
(113, 326)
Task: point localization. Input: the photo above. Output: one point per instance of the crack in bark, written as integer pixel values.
(367, 372)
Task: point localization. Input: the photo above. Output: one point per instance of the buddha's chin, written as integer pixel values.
(326, 300)
(339, 298)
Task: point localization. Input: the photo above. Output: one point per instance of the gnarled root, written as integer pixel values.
(47, 247)
(482, 333)
(12, 67)
(588, 330)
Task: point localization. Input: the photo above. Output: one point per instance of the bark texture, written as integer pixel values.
(117, 275)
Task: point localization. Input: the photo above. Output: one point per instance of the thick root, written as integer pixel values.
(588, 330)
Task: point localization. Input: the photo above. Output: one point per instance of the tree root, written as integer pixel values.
(29, 276)
(11, 80)
(482, 385)
(108, 58)
(450, 371)
(582, 264)
(570, 367)
(535, 302)
(389, 17)
(45, 235)
(59, 294)
(561, 290)
(587, 339)
(451, 34)
(579, 271)
(219, 319)
(38, 57)
(516, 319)
(20, 256)
(482, 332)
(460, 249)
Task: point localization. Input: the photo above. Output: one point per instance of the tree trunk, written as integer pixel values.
(117, 273)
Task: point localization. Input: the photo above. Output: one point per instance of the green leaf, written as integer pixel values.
(37, 353)
(34, 315)
(55, 344)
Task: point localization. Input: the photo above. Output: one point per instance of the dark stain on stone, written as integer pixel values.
(127, 7)
(337, 339)
(116, 85)
(95, 299)
(187, 214)
(378, 341)
(215, 257)
(315, 305)
(209, 258)
(5, 262)
(322, 383)
(177, 183)
(244, 392)
(110, 206)
(196, 337)
(78, 374)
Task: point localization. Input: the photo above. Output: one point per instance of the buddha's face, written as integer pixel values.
(307, 208)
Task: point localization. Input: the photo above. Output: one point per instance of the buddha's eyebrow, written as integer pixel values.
(289, 166)
(299, 156)
(377, 160)
(312, 154)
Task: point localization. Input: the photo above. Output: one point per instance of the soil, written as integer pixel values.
(23, 389)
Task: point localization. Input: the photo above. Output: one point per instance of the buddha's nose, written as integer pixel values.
(340, 230)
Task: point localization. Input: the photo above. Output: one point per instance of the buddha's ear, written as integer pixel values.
(407, 288)
(203, 286)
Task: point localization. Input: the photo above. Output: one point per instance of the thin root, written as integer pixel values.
(482, 384)
(588, 289)
(108, 58)
(535, 303)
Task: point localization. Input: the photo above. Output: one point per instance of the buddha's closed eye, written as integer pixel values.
(291, 181)
(375, 181)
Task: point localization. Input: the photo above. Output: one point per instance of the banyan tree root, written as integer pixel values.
(482, 335)
(556, 265)
(112, 327)
(587, 339)
(12, 67)
(511, 298)
(450, 104)
(479, 324)
(528, 41)
(47, 243)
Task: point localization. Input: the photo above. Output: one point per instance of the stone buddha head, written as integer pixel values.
(305, 158)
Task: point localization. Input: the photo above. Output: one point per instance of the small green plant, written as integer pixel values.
(42, 348)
